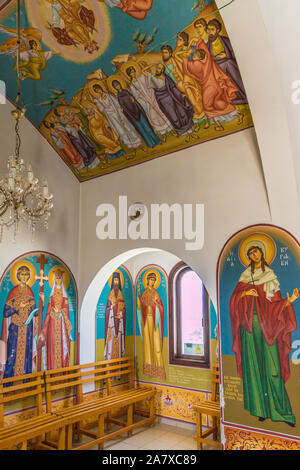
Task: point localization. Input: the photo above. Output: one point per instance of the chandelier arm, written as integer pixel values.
(34, 213)
(3, 208)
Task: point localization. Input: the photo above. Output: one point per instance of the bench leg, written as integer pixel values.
(39, 440)
(77, 431)
(24, 445)
(101, 430)
(69, 437)
(152, 410)
(129, 418)
(62, 439)
(199, 430)
(215, 425)
(108, 423)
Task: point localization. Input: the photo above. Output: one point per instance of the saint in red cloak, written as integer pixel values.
(262, 322)
(61, 139)
(217, 89)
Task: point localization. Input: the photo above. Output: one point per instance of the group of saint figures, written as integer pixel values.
(194, 86)
(191, 87)
(28, 343)
(150, 317)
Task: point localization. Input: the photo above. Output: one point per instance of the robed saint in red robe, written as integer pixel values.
(56, 330)
(218, 91)
(276, 319)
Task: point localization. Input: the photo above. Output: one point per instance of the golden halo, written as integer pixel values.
(261, 240)
(93, 82)
(120, 79)
(29, 38)
(52, 273)
(14, 269)
(151, 271)
(126, 66)
(121, 277)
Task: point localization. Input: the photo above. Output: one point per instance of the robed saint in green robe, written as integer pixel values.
(261, 327)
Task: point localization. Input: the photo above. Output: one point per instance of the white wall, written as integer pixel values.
(254, 51)
(225, 175)
(62, 237)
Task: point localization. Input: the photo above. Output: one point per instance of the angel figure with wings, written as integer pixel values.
(32, 58)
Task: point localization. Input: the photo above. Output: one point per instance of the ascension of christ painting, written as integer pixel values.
(115, 83)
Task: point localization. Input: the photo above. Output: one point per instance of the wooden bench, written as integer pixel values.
(20, 389)
(211, 408)
(99, 408)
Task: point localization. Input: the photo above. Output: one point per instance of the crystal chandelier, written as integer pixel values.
(21, 195)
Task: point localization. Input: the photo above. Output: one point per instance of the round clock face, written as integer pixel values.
(136, 211)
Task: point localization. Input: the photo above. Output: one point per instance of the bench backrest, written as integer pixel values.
(19, 388)
(75, 377)
(215, 381)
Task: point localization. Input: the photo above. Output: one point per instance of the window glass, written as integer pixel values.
(191, 314)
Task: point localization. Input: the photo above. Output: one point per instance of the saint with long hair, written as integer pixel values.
(262, 322)
(146, 97)
(135, 114)
(150, 312)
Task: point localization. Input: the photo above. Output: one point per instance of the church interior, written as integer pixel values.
(149, 225)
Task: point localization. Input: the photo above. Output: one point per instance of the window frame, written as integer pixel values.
(176, 357)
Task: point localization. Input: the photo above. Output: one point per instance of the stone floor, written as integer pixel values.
(163, 436)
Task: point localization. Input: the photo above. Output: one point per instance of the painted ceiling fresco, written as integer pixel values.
(114, 83)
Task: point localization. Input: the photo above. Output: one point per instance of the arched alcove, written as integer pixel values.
(171, 380)
(89, 304)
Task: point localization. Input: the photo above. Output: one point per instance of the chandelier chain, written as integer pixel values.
(21, 197)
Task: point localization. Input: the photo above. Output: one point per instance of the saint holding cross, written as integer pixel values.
(19, 325)
(41, 278)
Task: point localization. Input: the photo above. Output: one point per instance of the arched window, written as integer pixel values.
(188, 319)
